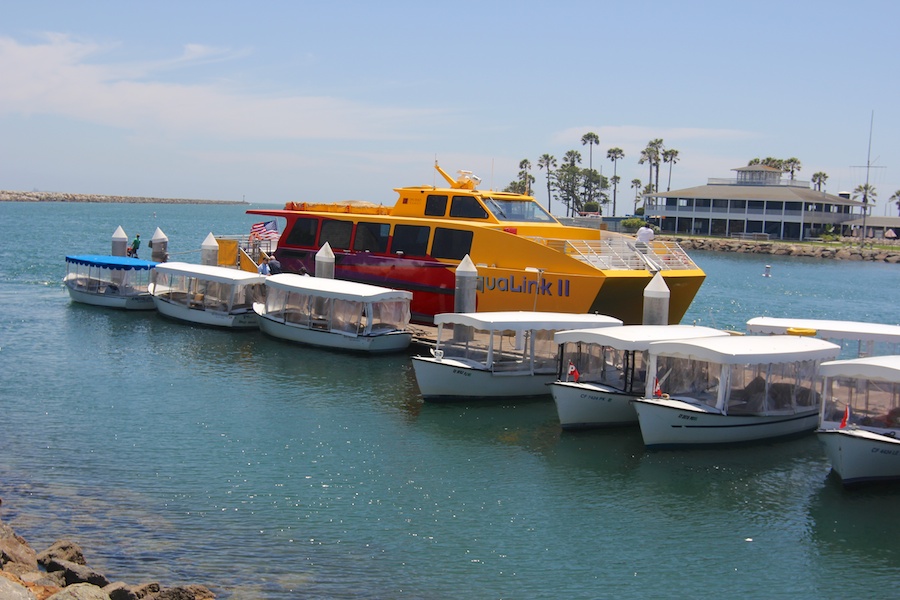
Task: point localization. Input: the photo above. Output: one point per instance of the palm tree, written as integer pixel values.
(636, 185)
(590, 138)
(647, 157)
(896, 198)
(614, 154)
(819, 180)
(868, 193)
(547, 161)
(671, 157)
(524, 176)
(792, 164)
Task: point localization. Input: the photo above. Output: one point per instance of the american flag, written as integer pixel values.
(267, 230)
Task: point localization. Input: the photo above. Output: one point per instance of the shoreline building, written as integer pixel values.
(757, 203)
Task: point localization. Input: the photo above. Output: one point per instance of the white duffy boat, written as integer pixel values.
(111, 281)
(608, 370)
(860, 420)
(207, 295)
(734, 389)
(496, 354)
(858, 338)
(335, 314)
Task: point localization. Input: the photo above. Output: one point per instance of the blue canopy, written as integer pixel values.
(121, 263)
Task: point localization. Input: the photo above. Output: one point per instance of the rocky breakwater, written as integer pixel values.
(6, 196)
(61, 573)
(836, 251)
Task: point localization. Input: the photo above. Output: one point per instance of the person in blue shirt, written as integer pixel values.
(264, 266)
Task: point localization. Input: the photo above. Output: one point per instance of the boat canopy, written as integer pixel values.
(883, 368)
(636, 337)
(335, 288)
(210, 273)
(736, 350)
(118, 263)
(849, 330)
(526, 320)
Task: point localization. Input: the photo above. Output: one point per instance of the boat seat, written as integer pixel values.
(197, 301)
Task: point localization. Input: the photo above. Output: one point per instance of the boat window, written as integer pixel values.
(518, 210)
(336, 233)
(346, 316)
(435, 205)
(389, 315)
(411, 239)
(451, 243)
(303, 233)
(372, 237)
(467, 207)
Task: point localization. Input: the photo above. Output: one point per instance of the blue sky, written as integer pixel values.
(322, 101)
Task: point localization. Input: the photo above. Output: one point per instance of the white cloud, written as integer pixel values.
(62, 77)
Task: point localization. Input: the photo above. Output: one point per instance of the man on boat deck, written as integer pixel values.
(133, 249)
(264, 266)
(274, 266)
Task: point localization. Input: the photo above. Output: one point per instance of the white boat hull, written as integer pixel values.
(374, 344)
(860, 456)
(449, 379)
(668, 422)
(242, 320)
(143, 301)
(586, 405)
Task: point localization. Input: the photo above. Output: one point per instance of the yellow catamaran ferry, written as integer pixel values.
(526, 259)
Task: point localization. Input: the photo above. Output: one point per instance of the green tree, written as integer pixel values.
(525, 176)
(614, 154)
(568, 181)
(867, 194)
(896, 199)
(671, 157)
(636, 186)
(548, 162)
(589, 139)
(819, 180)
(652, 155)
(790, 165)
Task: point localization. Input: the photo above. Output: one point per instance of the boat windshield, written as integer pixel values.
(518, 210)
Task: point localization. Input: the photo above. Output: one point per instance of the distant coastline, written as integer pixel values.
(7, 196)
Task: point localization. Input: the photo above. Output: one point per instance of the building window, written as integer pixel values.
(738, 205)
(774, 208)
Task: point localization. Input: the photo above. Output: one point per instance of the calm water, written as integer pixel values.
(265, 470)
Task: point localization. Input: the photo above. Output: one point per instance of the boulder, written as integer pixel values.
(63, 550)
(14, 549)
(75, 573)
(119, 590)
(187, 592)
(80, 591)
(10, 590)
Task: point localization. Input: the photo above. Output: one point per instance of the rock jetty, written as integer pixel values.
(61, 573)
(6, 196)
(845, 250)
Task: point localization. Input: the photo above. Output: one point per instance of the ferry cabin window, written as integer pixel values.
(467, 207)
(435, 205)
(303, 233)
(336, 233)
(372, 237)
(451, 243)
(518, 210)
(411, 240)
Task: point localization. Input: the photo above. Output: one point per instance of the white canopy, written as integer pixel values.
(210, 273)
(335, 288)
(526, 320)
(847, 330)
(749, 349)
(636, 337)
(882, 368)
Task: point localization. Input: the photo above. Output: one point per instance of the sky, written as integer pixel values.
(280, 101)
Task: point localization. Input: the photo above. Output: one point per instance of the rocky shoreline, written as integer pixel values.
(847, 249)
(6, 196)
(61, 573)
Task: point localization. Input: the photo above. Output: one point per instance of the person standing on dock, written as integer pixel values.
(132, 250)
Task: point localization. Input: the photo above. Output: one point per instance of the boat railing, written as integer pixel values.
(624, 254)
(253, 247)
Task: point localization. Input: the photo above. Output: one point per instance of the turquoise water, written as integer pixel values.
(266, 470)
